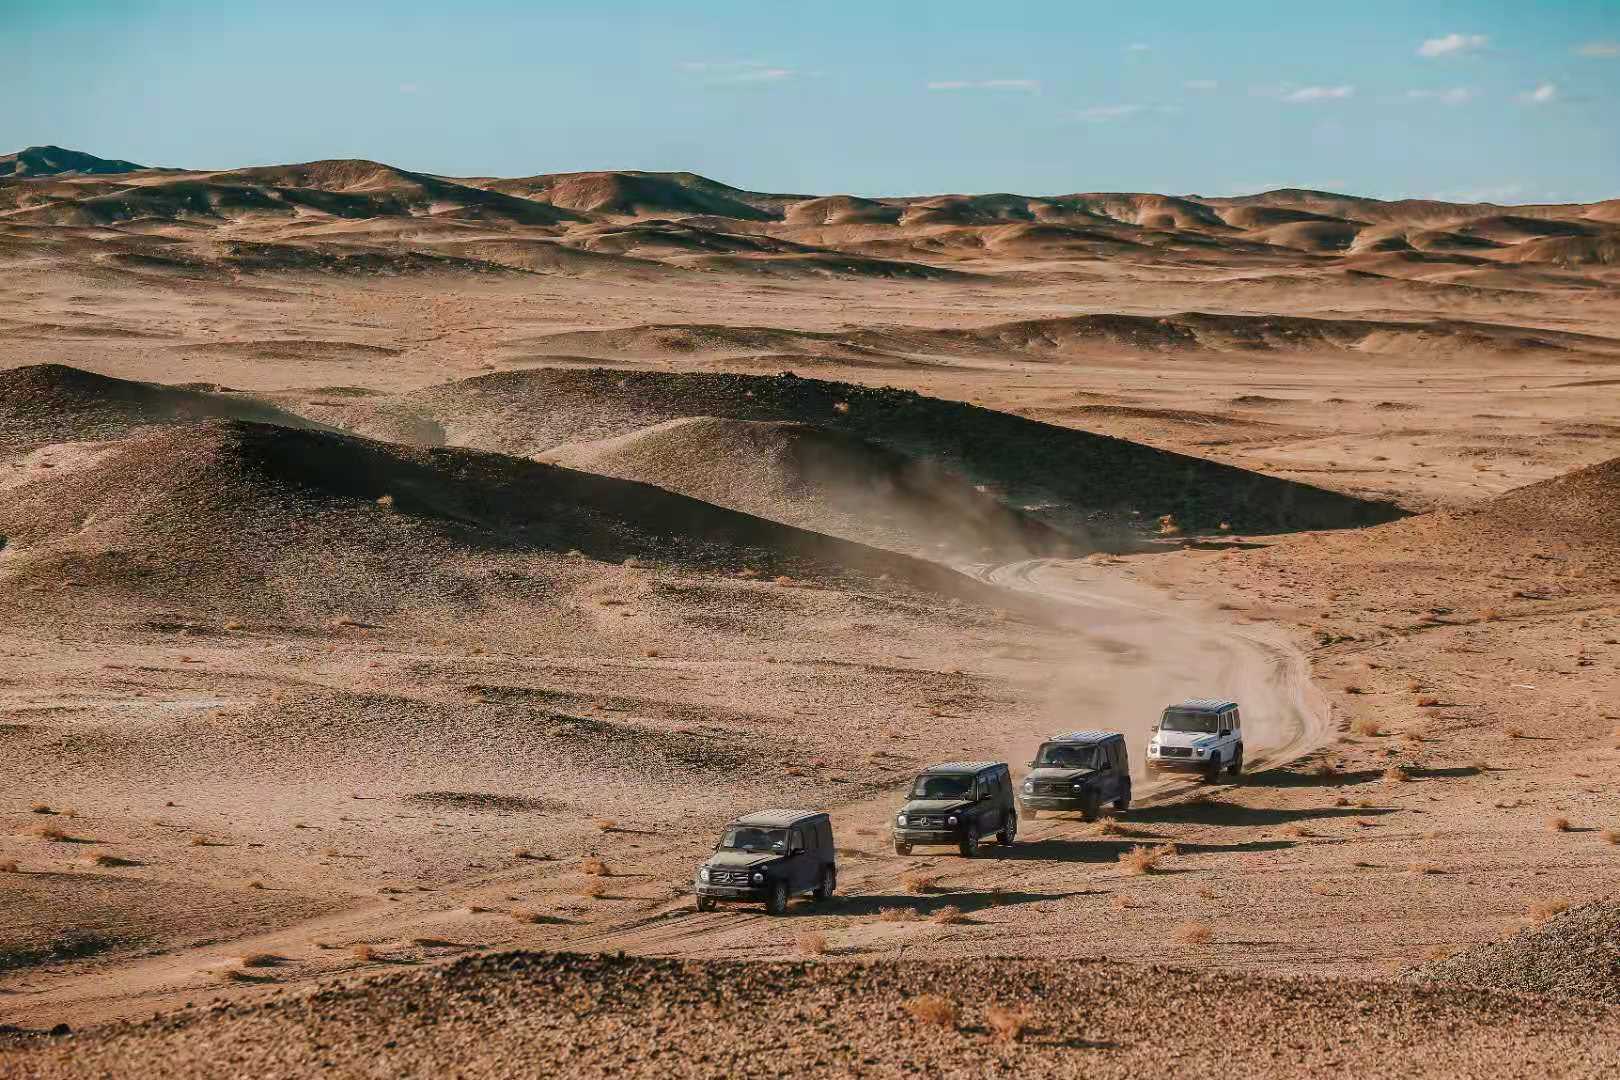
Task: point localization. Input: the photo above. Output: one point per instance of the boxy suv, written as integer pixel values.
(958, 803)
(1202, 735)
(1078, 770)
(770, 857)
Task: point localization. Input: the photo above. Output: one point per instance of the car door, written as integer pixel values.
(1230, 736)
(1117, 774)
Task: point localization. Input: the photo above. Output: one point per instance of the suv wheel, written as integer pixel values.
(1236, 768)
(829, 883)
(777, 903)
(1009, 829)
(1214, 774)
(902, 848)
(1123, 803)
(1090, 805)
(969, 845)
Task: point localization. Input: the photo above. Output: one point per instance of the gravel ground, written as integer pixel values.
(1576, 954)
(529, 1014)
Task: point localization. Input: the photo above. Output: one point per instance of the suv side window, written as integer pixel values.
(795, 840)
(1116, 753)
(824, 831)
(1237, 720)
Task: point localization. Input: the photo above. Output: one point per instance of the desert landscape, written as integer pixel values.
(404, 577)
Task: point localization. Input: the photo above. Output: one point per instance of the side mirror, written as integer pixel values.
(1153, 729)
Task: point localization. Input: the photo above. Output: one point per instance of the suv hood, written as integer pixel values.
(743, 860)
(935, 806)
(1186, 738)
(1054, 773)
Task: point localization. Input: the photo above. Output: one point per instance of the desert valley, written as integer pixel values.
(403, 578)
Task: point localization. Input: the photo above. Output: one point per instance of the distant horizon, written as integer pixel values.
(1463, 102)
(151, 166)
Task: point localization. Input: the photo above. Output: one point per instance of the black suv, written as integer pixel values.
(1078, 770)
(957, 803)
(770, 856)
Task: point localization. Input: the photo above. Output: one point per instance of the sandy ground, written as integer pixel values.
(1435, 730)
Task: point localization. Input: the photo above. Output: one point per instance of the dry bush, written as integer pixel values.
(235, 975)
(260, 960)
(1295, 830)
(1321, 888)
(255, 884)
(1325, 770)
(48, 832)
(1428, 702)
(1559, 824)
(1108, 827)
(948, 914)
(605, 824)
(1423, 868)
(1365, 725)
(593, 890)
(1168, 526)
(199, 841)
(1398, 774)
(916, 884)
(898, 914)
(1193, 933)
(364, 952)
(1491, 614)
(522, 853)
(1439, 952)
(527, 915)
(1610, 836)
(9, 866)
(1411, 735)
(1513, 731)
(1546, 910)
(1008, 1025)
(812, 944)
(932, 1009)
(594, 867)
(1143, 859)
(1122, 902)
(40, 808)
(110, 861)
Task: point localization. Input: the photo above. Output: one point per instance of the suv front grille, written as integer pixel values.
(925, 822)
(1175, 751)
(1053, 787)
(728, 877)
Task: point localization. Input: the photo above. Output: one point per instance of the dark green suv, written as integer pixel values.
(1078, 771)
(769, 857)
(958, 803)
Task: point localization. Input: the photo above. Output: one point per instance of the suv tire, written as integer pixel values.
(1123, 803)
(776, 903)
(705, 904)
(1213, 774)
(902, 848)
(1090, 805)
(1009, 829)
(969, 844)
(829, 884)
(1236, 768)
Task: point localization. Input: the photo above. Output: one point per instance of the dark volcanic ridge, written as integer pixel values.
(1575, 954)
(1079, 482)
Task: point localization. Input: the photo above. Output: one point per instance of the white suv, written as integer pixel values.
(1202, 735)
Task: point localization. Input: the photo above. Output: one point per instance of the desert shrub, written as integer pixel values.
(260, 960)
(1559, 824)
(1193, 933)
(1546, 910)
(595, 867)
(812, 944)
(948, 914)
(916, 884)
(1366, 725)
(898, 914)
(1143, 859)
(932, 1009)
(1005, 1023)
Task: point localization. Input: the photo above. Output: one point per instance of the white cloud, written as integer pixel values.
(1138, 46)
(1545, 94)
(738, 71)
(1599, 50)
(985, 84)
(1453, 45)
(1457, 95)
(1102, 114)
(1307, 95)
(1202, 84)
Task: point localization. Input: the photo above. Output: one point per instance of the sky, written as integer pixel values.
(1506, 101)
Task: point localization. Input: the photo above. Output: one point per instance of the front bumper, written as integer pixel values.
(927, 836)
(1052, 802)
(742, 893)
(1179, 764)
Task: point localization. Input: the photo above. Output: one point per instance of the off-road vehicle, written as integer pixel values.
(958, 803)
(1202, 735)
(769, 857)
(1078, 771)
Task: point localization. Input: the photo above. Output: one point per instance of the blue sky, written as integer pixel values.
(1512, 101)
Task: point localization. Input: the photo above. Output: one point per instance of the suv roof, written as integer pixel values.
(1206, 704)
(777, 819)
(962, 766)
(1092, 736)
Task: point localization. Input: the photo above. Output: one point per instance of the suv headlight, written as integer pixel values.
(1029, 785)
(1200, 751)
(1079, 787)
(900, 820)
(758, 878)
(951, 821)
(703, 874)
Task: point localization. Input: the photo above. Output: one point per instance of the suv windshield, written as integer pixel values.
(1187, 720)
(942, 786)
(752, 838)
(1067, 756)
